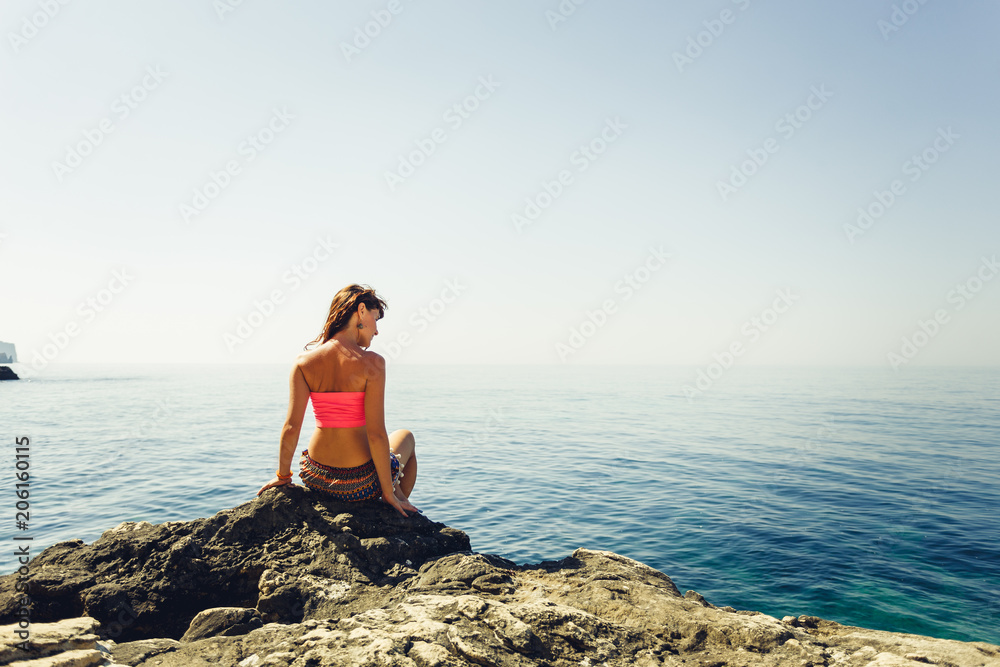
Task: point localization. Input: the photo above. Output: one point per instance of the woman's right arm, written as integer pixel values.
(298, 398)
(378, 438)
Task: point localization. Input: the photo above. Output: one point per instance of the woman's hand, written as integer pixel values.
(399, 502)
(273, 483)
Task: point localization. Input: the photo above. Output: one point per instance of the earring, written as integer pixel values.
(361, 326)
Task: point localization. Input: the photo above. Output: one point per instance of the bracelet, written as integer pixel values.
(278, 474)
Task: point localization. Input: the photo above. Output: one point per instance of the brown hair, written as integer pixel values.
(342, 308)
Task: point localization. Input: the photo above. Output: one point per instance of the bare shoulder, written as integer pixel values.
(305, 360)
(374, 364)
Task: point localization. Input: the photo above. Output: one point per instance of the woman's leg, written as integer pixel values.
(402, 443)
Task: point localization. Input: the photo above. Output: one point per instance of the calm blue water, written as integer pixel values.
(857, 495)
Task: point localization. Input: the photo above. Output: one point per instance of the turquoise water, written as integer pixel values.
(858, 495)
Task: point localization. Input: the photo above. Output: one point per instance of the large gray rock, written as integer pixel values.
(358, 584)
(222, 621)
(75, 658)
(77, 635)
(592, 608)
(133, 653)
(289, 553)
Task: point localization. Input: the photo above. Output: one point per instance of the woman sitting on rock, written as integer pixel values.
(350, 456)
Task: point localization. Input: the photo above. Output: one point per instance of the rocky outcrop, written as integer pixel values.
(289, 554)
(7, 373)
(70, 642)
(220, 621)
(8, 353)
(289, 579)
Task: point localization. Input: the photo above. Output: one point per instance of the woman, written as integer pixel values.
(350, 456)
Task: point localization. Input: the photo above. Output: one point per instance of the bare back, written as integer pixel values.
(335, 367)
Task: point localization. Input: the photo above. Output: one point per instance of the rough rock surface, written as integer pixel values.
(7, 373)
(358, 584)
(289, 554)
(134, 653)
(229, 621)
(69, 643)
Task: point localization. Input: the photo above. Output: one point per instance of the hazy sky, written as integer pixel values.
(631, 182)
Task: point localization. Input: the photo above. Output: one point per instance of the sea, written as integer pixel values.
(861, 495)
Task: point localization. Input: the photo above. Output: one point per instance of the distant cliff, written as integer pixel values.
(8, 353)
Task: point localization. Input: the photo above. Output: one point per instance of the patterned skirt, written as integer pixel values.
(351, 484)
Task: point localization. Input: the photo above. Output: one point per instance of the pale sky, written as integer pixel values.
(697, 168)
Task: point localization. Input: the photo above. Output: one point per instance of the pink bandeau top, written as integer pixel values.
(341, 409)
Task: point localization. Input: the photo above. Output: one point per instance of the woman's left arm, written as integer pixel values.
(298, 398)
